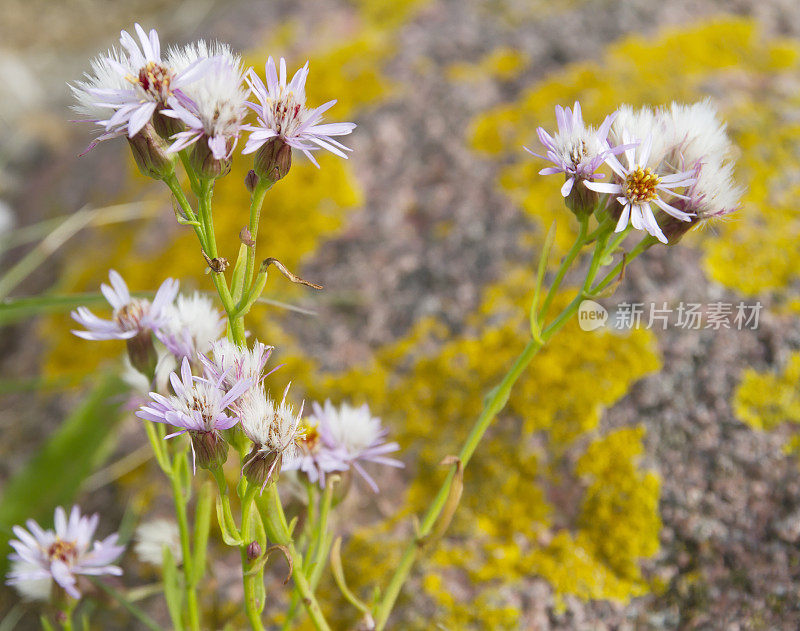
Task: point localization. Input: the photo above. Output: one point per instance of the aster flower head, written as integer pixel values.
(152, 536)
(129, 87)
(212, 109)
(191, 325)
(356, 436)
(577, 150)
(44, 557)
(639, 184)
(699, 142)
(274, 429)
(317, 457)
(131, 316)
(283, 115)
(234, 363)
(199, 407)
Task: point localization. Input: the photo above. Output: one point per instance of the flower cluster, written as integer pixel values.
(194, 98)
(676, 158)
(44, 558)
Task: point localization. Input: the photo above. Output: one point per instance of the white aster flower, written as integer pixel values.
(700, 143)
(131, 316)
(43, 556)
(356, 435)
(214, 108)
(191, 325)
(274, 430)
(152, 536)
(282, 114)
(128, 88)
(638, 185)
(231, 363)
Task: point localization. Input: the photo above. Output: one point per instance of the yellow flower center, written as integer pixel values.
(154, 79)
(63, 551)
(310, 437)
(640, 185)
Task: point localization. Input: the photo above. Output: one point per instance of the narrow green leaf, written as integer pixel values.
(536, 329)
(23, 307)
(172, 589)
(135, 611)
(202, 526)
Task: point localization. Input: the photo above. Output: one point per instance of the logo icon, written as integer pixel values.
(592, 315)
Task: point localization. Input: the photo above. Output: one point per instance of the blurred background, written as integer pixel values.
(639, 480)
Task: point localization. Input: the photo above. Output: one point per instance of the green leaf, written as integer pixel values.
(16, 309)
(54, 475)
(172, 589)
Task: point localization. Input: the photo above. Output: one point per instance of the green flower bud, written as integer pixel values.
(261, 466)
(273, 160)
(210, 449)
(150, 153)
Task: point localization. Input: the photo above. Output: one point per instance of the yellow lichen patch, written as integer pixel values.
(726, 57)
(502, 63)
(522, 513)
(766, 400)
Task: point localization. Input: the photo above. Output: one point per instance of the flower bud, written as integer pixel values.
(253, 551)
(273, 160)
(206, 164)
(210, 449)
(262, 467)
(250, 181)
(672, 227)
(142, 353)
(150, 153)
(581, 200)
(166, 126)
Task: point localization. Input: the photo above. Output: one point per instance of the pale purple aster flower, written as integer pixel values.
(191, 325)
(577, 150)
(234, 363)
(199, 407)
(214, 106)
(41, 556)
(131, 316)
(639, 185)
(282, 114)
(274, 429)
(355, 435)
(128, 88)
(316, 457)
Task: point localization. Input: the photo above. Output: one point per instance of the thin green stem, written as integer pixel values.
(252, 606)
(256, 202)
(179, 500)
(496, 402)
(187, 166)
(186, 207)
(278, 530)
(566, 263)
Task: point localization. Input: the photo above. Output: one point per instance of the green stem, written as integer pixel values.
(186, 207)
(318, 550)
(187, 166)
(576, 248)
(278, 530)
(497, 401)
(250, 580)
(256, 202)
(186, 550)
